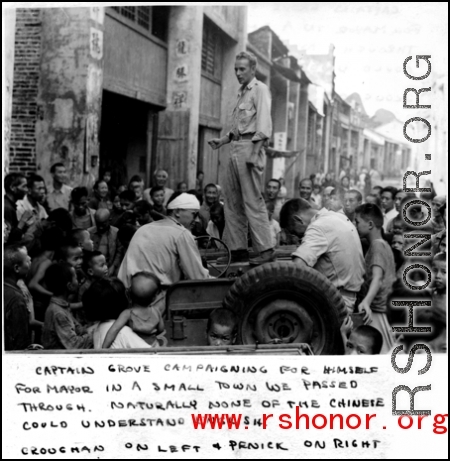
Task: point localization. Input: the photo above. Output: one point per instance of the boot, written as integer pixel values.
(264, 257)
(237, 256)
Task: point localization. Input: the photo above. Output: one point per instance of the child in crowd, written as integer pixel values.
(82, 215)
(143, 317)
(71, 253)
(127, 199)
(398, 246)
(94, 268)
(380, 271)
(35, 325)
(104, 301)
(275, 229)
(83, 237)
(61, 329)
(127, 202)
(16, 264)
(436, 339)
(221, 329)
(364, 340)
(439, 271)
(157, 195)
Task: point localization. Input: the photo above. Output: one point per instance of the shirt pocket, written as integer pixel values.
(246, 108)
(246, 112)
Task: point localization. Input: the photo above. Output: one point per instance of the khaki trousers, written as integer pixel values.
(244, 203)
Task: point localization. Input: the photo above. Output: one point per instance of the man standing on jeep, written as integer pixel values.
(330, 244)
(244, 202)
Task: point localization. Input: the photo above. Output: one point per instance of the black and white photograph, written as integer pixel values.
(225, 214)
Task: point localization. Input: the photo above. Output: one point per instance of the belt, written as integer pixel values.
(243, 137)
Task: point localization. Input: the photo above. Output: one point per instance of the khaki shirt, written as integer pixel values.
(331, 245)
(252, 112)
(166, 249)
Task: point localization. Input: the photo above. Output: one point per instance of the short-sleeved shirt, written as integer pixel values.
(59, 198)
(331, 245)
(380, 254)
(61, 329)
(252, 112)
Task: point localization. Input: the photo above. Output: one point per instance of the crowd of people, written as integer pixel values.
(82, 269)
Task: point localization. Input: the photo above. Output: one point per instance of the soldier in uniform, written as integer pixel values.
(244, 202)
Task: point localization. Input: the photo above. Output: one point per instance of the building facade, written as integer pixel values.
(129, 89)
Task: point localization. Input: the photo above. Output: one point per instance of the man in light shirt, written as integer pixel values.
(251, 129)
(59, 193)
(388, 205)
(330, 245)
(32, 201)
(306, 190)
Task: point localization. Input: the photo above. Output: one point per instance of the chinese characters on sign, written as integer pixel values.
(181, 73)
(179, 99)
(182, 47)
(96, 43)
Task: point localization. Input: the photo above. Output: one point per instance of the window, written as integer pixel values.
(160, 22)
(143, 17)
(211, 51)
(152, 19)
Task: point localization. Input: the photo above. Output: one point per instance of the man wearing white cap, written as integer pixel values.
(166, 248)
(251, 129)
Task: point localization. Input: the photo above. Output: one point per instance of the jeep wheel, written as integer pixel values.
(284, 303)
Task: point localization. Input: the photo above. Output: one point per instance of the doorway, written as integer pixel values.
(126, 138)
